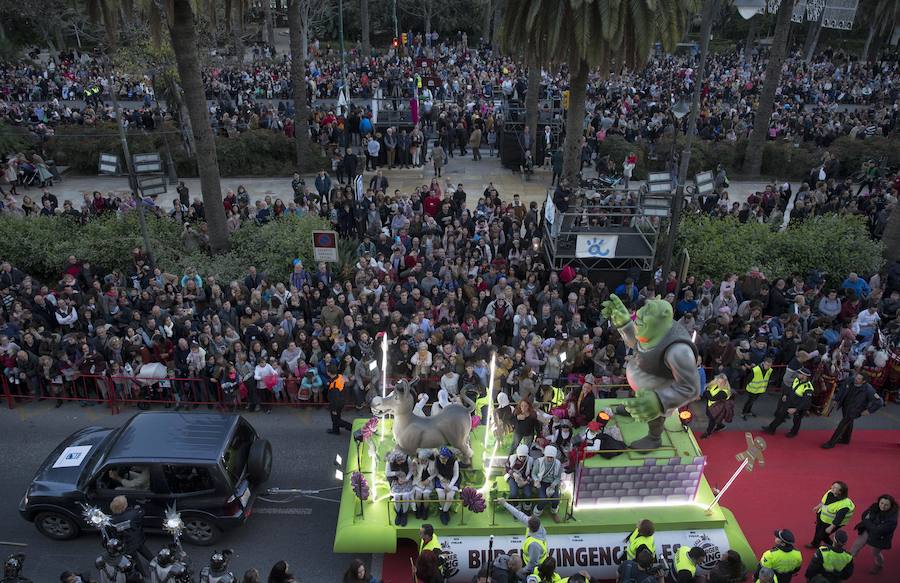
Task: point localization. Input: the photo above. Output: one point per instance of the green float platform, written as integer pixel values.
(601, 504)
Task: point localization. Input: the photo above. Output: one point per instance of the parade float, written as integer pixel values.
(602, 496)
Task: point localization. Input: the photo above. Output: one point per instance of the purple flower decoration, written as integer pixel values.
(361, 486)
(472, 499)
(368, 430)
(476, 421)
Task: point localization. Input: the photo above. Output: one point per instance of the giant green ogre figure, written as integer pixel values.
(663, 371)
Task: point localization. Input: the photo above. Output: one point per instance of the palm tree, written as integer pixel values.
(586, 35)
(883, 18)
(298, 19)
(777, 53)
(364, 28)
(184, 45)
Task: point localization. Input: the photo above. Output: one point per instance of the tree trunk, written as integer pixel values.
(364, 28)
(710, 11)
(531, 101)
(869, 38)
(751, 36)
(237, 28)
(578, 77)
(812, 37)
(109, 23)
(270, 24)
(486, 18)
(777, 52)
(297, 9)
(184, 46)
(304, 28)
(891, 237)
(228, 15)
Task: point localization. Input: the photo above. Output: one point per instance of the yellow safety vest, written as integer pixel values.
(760, 381)
(829, 511)
(558, 397)
(556, 577)
(782, 561)
(432, 545)
(527, 543)
(715, 390)
(480, 403)
(683, 562)
(801, 387)
(834, 561)
(634, 543)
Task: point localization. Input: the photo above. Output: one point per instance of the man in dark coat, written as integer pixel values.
(856, 399)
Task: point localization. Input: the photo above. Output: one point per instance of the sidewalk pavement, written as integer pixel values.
(474, 176)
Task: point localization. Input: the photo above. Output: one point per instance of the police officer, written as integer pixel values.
(832, 513)
(783, 558)
(127, 522)
(833, 563)
(757, 386)
(534, 549)
(686, 561)
(640, 537)
(796, 402)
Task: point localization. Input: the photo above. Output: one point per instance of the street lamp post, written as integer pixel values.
(678, 111)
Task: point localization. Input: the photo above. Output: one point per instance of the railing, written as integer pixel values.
(118, 391)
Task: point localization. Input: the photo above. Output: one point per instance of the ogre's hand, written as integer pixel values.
(615, 311)
(644, 406)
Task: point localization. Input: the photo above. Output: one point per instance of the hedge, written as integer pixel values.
(251, 153)
(40, 246)
(837, 244)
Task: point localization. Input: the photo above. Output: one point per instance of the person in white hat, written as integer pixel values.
(518, 476)
(546, 475)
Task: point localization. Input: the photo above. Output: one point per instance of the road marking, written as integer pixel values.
(294, 511)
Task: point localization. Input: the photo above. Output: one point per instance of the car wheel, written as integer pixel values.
(200, 531)
(259, 462)
(56, 526)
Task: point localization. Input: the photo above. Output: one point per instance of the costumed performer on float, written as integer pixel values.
(663, 371)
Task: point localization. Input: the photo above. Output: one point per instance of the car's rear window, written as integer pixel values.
(235, 457)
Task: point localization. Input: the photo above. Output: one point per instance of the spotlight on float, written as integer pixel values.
(685, 417)
(358, 436)
(173, 524)
(602, 418)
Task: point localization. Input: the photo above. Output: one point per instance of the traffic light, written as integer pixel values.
(403, 37)
(395, 43)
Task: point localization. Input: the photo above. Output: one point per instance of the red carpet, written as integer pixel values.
(796, 474)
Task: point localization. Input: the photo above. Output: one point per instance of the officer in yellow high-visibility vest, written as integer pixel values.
(641, 536)
(783, 558)
(546, 572)
(534, 548)
(796, 401)
(552, 396)
(686, 561)
(757, 386)
(832, 562)
(428, 541)
(832, 513)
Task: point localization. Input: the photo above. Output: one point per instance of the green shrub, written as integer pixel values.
(618, 148)
(40, 246)
(252, 153)
(837, 244)
(852, 152)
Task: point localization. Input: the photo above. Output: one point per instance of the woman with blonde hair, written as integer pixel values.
(719, 404)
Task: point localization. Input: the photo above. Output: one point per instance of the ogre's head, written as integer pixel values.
(653, 321)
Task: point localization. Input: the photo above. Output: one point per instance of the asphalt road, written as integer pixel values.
(300, 532)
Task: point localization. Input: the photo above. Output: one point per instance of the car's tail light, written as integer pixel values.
(232, 506)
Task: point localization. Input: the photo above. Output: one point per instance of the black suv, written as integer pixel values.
(209, 465)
